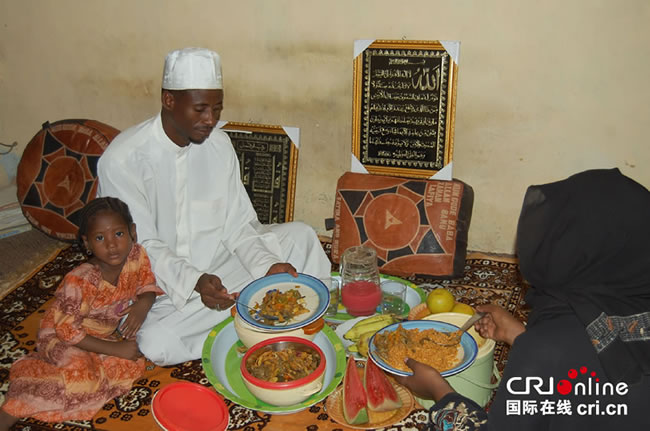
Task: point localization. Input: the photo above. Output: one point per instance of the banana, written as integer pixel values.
(353, 348)
(371, 323)
(362, 344)
(360, 327)
(364, 339)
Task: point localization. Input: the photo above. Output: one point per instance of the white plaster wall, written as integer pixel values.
(545, 89)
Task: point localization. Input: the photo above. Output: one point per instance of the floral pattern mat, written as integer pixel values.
(487, 279)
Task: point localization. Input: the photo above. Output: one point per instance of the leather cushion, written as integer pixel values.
(418, 227)
(57, 174)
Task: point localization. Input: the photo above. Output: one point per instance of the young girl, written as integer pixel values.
(84, 356)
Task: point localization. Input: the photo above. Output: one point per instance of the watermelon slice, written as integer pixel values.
(381, 393)
(354, 396)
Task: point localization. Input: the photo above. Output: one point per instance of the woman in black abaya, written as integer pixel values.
(583, 246)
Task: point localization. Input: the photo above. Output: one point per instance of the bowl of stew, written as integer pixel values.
(292, 302)
(283, 371)
(250, 335)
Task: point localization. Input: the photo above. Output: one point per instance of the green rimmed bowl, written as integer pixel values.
(222, 358)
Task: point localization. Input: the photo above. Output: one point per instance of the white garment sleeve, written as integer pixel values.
(256, 247)
(175, 275)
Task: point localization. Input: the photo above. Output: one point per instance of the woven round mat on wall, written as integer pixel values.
(57, 174)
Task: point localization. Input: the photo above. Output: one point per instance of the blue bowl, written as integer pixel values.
(467, 343)
(317, 298)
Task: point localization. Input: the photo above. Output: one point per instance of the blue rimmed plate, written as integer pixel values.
(316, 299)
(466, 353)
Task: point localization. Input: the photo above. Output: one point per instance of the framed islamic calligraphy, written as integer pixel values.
(404, 106)
(268, 160)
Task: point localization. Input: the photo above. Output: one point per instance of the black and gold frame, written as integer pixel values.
(404, 106)
(268, 159)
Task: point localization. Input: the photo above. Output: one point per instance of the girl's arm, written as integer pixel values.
(127, 349)
(137, 312)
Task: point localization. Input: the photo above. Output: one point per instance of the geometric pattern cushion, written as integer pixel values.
(417, 227)
(57, 174)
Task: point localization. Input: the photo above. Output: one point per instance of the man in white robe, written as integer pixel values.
(180, 177)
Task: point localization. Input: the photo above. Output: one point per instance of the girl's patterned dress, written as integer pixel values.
(60, 381)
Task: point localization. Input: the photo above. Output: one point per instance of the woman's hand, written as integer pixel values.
(277, 268)
(137, 312)
(425, 382)
(498, 324)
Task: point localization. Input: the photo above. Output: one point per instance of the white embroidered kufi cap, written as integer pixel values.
(192, 69)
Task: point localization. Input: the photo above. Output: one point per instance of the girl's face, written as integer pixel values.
(109, 239)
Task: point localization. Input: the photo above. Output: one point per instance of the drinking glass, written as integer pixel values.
(335, 297)
(393, 299)
(360, 292)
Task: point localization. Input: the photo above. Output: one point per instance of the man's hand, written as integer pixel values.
(277, 268)
(425, 382)
(498, 324)
(213, 294)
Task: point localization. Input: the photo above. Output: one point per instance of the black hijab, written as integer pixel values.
(584, 245)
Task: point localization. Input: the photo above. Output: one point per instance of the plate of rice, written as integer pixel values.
(416, 339)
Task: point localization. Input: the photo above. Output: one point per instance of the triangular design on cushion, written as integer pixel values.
(51, 157)
(50, 143)
(74, 216)
(33, 197)
(410, 194)
(86, 193)
(92, 163)
(53, 208)
(422, 231)
(353, 199)
(417, 186)
(363, 236)
(404, 251)
(382, 254)
(380, 192)
(71, 209)
(41, 173)
(40, 187)
(361, 211)
(424, 220)
(88, 176)
(74, 154)
(390, 220)
(430, 244)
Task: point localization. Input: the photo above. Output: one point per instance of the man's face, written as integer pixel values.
(190, 115)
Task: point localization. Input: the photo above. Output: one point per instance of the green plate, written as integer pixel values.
(414, 296)
(221, 360)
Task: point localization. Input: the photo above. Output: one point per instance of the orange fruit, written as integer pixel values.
(418, 312)
(440, 300)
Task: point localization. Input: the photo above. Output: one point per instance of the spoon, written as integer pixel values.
(257, 312)
(453, 340)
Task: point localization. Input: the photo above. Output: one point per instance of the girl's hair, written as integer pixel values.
(103, 204)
